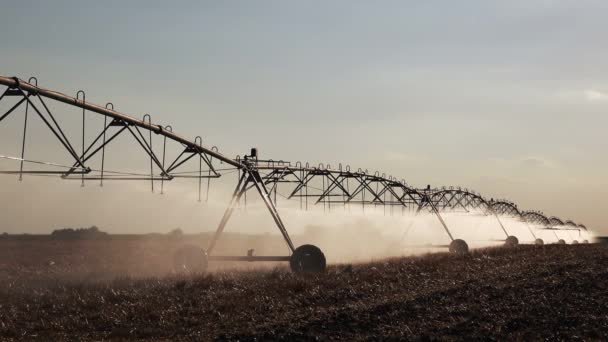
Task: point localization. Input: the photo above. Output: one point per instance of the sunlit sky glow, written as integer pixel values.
(508, 98)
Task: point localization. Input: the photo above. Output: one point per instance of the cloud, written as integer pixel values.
(577, 96)
(593, 95)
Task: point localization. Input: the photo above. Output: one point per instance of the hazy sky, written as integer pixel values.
(505, 97)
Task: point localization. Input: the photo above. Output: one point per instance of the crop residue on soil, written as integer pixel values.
(530, 292)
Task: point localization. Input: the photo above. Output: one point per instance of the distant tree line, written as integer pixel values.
(90, 233)
(176, 233)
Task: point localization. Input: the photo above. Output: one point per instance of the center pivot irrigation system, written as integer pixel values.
(321, 184)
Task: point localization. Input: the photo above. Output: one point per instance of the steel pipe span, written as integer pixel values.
(14, 82)
(265, 176)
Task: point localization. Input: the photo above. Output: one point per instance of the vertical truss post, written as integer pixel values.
(151, 150)
(162, 179)
(323, 189)
(103, 150)
(200, 177)
(199, 139)
(300, 192)
(83, 126)
(305, 190)
(276, 187)
(27, 106)
(209, 174)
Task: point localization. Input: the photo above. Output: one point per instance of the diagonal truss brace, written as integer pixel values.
(55, 128)
(250, 177)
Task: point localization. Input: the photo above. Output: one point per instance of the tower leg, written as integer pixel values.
(241, 187)
(250, 176)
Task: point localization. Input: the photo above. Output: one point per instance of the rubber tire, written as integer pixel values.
(561, 242)
(307, 259)
(585, 241)
(459, 247)
(190, 259)
(539, 242)
(574, 242)
(511, 241)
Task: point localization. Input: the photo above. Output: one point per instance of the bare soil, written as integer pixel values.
(526, 293)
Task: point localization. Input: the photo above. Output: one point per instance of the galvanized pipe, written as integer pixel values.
(13, 82)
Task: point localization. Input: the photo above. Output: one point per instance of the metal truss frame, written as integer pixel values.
(320, 185)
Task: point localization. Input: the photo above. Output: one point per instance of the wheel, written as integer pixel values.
(459, 247)
(574, 242)
(585, 241)
(539, 242)
(511, 241)
(190, 259)
(561, 242)
(307, 259)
